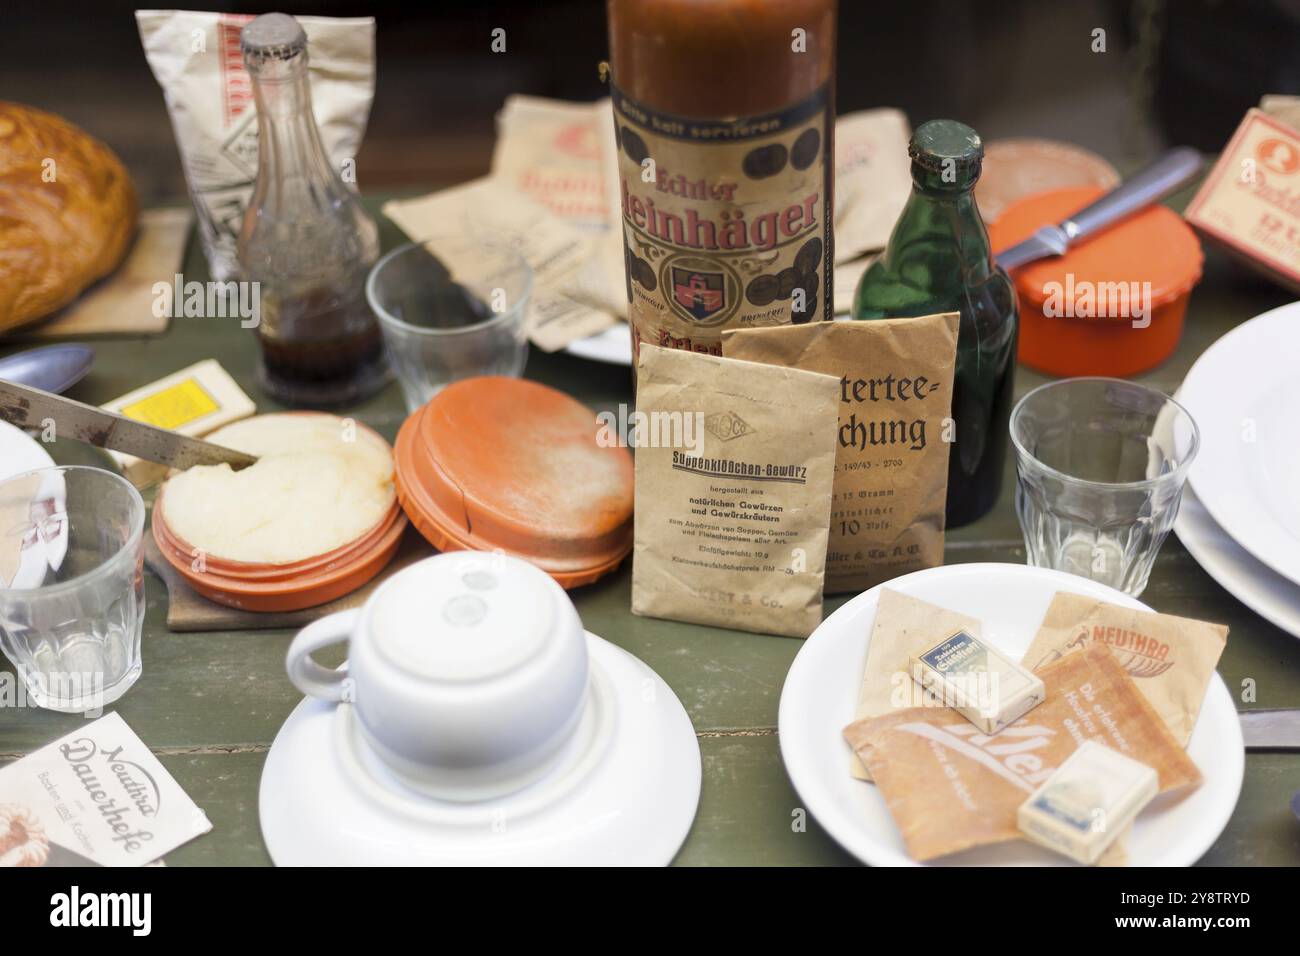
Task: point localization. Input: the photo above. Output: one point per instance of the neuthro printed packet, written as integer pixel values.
(1170, 658)
(94, 797)
(950, 787)
(733, 492)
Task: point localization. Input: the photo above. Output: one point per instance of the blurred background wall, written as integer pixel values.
(1173, 71)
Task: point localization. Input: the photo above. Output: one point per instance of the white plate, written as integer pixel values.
(623, 793)
(19, 452)
(1254, 584)
(1244, 393)
(613, 346)
(821, 692)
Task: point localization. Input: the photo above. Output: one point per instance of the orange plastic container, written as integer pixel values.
(291, 586)
(245, 571)
(303, 589)
(1115, 303)
(503, 463)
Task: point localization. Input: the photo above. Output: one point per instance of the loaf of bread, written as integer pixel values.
(67, 213)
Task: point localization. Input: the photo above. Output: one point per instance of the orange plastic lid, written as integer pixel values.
(1154, 246)
(504, 463)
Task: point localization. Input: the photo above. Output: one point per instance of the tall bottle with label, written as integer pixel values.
(306, 241)
(939, 260)
(724, 113)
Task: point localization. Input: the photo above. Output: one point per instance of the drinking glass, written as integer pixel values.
(72, 584)
(1101, 465)
(451, 308)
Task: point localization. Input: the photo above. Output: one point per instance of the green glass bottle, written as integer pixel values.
(938, 260)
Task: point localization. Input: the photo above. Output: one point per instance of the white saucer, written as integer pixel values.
(1250, 581)
(623, 793)
(821, 691)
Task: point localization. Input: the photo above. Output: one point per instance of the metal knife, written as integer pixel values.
(1277, 729)
(32, 408)
(1152, 184)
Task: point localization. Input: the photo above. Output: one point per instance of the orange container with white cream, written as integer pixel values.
(314, 519)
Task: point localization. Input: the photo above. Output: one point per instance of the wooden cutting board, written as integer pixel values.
(187, 610)
(124, 301)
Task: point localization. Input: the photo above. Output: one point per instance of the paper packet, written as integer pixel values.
(1247, 202)
(734, 463)
(195, 57)
(557, 251)
(903, 626)
(96, 796)
(1171, 659)
(891, 460)
(950, 787)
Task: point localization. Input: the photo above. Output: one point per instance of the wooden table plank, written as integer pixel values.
(749, 815)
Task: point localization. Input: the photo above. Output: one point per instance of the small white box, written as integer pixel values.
(985, 686)
(1089, 801)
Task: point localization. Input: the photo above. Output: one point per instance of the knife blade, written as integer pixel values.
(29, 407)
(1152, 184)
(1277, 729)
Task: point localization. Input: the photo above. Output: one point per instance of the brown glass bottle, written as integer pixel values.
(724, 117)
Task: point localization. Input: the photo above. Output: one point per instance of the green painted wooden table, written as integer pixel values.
(209, 704)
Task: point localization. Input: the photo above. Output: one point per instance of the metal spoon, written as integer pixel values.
(51, 368)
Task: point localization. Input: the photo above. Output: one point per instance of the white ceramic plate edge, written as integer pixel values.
(1270, 595)
(612, 346)
(1256, 532)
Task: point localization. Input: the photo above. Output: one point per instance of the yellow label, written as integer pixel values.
(174, 407)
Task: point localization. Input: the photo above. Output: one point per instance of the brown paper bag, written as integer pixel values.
(733, 489)
(904, 625)
(1169, 658)
(950, 787)
(891, 467)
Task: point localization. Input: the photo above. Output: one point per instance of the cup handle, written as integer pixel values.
(308, 676)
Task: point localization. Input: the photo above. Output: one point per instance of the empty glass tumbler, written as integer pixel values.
(449, 309)
(1101, 465)
(72, 585)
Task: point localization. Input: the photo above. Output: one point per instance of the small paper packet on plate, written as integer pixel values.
(903, 626)
(950, 787)
(1171, 659)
